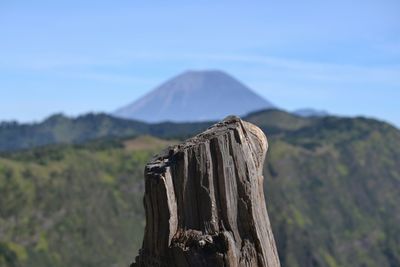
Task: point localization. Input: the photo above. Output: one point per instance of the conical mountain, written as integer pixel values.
(195, 96)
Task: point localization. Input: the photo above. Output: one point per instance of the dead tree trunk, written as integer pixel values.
(205, 204)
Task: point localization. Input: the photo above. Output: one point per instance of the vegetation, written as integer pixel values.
(333, 191)
(331, 184)
(72, 206)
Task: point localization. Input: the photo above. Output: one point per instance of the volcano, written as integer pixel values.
(195, 96)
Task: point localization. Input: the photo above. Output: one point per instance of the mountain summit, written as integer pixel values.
(195, 96)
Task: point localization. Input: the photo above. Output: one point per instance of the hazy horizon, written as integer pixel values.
(74, 57)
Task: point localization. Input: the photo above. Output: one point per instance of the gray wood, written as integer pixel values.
(205, 204)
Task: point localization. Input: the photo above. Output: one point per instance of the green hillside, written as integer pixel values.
(333, 191)
(332, 187)
(70, 206)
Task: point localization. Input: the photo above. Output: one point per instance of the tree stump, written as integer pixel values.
(204, 202)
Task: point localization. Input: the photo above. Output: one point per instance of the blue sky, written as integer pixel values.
(75, 57)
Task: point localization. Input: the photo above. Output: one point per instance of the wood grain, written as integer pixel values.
(205, 204)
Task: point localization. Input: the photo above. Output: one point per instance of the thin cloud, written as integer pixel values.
(300, 69)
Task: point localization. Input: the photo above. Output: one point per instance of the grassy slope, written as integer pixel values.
(332, 188)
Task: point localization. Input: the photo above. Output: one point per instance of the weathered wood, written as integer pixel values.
(205, 204)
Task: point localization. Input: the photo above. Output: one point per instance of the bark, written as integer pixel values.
(205, 203)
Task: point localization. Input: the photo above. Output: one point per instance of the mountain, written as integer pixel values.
(59, 129)
(195, 96)
(309, 112)
(331, 184)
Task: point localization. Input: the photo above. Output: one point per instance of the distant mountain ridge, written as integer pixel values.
(195, 96)
(310, 112)
(60, 129)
